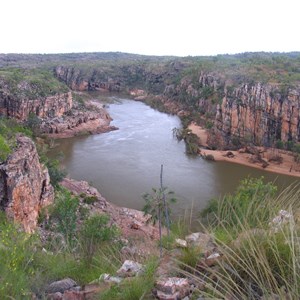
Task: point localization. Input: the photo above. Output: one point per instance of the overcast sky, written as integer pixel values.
(156, 27)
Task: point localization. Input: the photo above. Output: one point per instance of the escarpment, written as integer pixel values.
(43, 107)
(248, 112)
(77, 80)
(24, 185)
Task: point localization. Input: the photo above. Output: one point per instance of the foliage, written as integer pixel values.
(94, 231)
(4, 149)
(209, 157)
(189, 257)
(191, 139)
(243, 205)
(154, 204)
(9, 128)
(17, 253)
(64, 215)
(89, 199)
(33, 123)
(31, 83)
(55, 172)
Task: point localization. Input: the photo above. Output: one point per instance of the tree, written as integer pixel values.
(158, 206)
(95, 230)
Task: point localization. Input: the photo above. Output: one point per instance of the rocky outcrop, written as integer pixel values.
(24, 185)
(90, 120)
(43, 107)
(124, 218)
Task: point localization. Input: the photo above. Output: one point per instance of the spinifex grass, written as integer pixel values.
(257, 259)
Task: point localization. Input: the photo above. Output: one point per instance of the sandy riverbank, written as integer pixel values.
(288, 166)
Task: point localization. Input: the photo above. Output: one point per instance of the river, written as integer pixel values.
(125, 163)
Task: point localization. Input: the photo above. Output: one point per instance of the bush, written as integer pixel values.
(64, 215)
(8, 130)
(55, 172)
(191, 140)
(4, 149)
(17, 254)
(190, 257)
(90, 199)
(95, 230)
(248, 204)
(209, 157)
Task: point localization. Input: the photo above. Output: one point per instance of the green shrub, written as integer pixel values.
(64, 213)
(8, 130)
(90, 199)
(17, 255)
(56, 173)
(249, 204)
(95, 230)
(4, 149)
(190, 257)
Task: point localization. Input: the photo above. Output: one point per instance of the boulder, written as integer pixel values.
(172, 288)
(181, 243)
(130, 268)
(201, 240)
(61, 286)
(283, 217)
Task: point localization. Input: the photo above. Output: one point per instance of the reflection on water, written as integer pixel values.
(124, 164)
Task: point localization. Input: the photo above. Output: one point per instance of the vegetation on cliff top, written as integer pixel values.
(29, 84)
(154, 73)
(8, 130)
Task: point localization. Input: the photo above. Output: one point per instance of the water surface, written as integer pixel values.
(125, 163)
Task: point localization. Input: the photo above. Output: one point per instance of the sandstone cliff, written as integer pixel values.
(258, 113)
(43, 107)
(77, 80)
(24, 185)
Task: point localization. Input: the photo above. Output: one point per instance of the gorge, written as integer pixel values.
(246, 99)
(125, 164)
(225, 107)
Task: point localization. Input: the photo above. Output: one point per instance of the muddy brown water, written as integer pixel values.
(125, 163)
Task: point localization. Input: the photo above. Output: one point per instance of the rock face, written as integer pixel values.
(24, 185)
(262, 114)
(44, 107)
(79, 81)
(242, 112)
